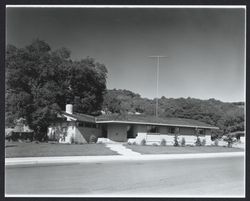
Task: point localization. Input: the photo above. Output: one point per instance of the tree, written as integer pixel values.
(39, 82)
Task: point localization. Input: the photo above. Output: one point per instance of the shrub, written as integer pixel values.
(143, 142)
(183, 142)
(216, 142)
(163, 142)
(230, 140)
(203, 143)
(134, 143)
(92, 139)
(129, 143)
(198, 142)
(72, 140)
(155, 144)
(176, 143)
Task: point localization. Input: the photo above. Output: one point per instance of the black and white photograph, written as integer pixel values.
(125, 101)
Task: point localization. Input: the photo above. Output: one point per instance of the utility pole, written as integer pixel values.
(157, 81)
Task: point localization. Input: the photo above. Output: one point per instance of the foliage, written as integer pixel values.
(92, 139)
(72, 140)
(198, 141)
(143, 142)
(230, 140)
(176, 142)
(203, 142)
(40, 81)
(216, 142)
(134, 143)
(183, 142)
(163, 142)
(229, 117)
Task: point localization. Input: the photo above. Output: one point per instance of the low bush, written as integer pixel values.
(183, 142)
(216, 142)
(134, 143)
(92, 139)
(72, 140)
(163, 142)
(198, 142)
(176, 143)
(155, 144)
(203, 143)
(230, 140)
(129, 143)
(143, 142)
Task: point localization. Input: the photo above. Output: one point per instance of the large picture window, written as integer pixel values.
(173, 130)
(86, 124)
(201, 131)
(152, 129)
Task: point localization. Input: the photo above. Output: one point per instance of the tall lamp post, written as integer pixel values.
(157, 81)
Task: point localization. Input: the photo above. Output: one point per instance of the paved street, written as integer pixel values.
(186, 177)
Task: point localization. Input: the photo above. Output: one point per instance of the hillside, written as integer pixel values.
(228, 117)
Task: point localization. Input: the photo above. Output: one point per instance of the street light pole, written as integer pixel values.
(157, 81)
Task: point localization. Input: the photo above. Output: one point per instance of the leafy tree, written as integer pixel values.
(183, 141)
(198, 141)
(176, 142)
(39, 82)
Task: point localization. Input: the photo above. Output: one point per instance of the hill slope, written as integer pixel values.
(228, 117)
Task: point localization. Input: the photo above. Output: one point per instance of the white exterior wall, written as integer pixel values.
(242, 139)
(140, 137)
(157, 138)
(189, 139)
(71, 132)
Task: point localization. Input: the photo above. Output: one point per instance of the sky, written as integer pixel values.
(205, 47)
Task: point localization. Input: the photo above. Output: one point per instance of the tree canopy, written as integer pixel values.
(40, 81)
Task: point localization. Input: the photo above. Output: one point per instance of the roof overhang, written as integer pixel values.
(157, 124)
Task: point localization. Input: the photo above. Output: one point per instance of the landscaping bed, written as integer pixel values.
(149, 149)
(32, 149)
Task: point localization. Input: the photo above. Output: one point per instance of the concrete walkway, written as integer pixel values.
(120, 149)
(95, 159)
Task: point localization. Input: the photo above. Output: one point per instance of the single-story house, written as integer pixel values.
(78, 128)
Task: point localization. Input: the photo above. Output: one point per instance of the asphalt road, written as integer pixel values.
(187, 177)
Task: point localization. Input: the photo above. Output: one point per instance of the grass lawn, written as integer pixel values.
(148, 149)
(17, 149)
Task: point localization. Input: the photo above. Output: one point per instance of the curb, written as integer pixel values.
(113, 158)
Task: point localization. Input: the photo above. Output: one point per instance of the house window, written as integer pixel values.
(90, 125)
(174, 130)
(201, 131)
(80, 124)
(152, 129)
(86, 124)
